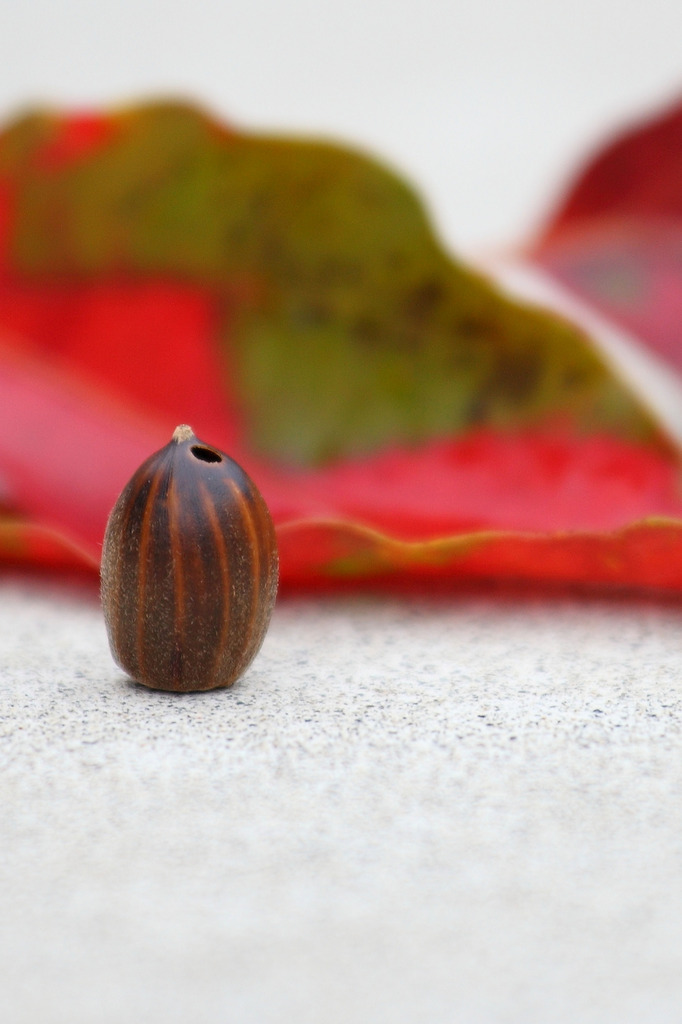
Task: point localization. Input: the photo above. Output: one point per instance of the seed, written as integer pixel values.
(189, 569)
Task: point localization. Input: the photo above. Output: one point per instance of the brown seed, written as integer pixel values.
(189, 569)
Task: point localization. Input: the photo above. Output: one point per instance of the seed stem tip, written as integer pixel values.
(182, 433)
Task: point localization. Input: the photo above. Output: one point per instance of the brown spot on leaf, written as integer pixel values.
(422, 301)
(515, 376)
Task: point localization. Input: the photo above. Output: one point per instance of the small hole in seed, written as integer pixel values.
(205, 454)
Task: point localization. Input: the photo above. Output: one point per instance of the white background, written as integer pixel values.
(488, 106)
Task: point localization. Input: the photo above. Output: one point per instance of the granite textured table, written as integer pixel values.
(467, 809)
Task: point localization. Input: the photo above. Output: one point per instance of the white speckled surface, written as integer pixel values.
(406, 811)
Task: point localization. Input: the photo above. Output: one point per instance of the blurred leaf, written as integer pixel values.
(631, 271)
(616, 237)
(635, 175)
(343, 324)
(403, 418)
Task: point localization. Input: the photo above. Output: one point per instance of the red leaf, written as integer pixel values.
(494, 441)
(616, 239)
(24, 544)
(639, 174)
(66, 447)
(631, 271)
(81, 137)
(521, 481)
(66, 452)
(148, 341)
(644, 555)
(6, 205)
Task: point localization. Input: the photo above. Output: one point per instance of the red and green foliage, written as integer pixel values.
(405, 420)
